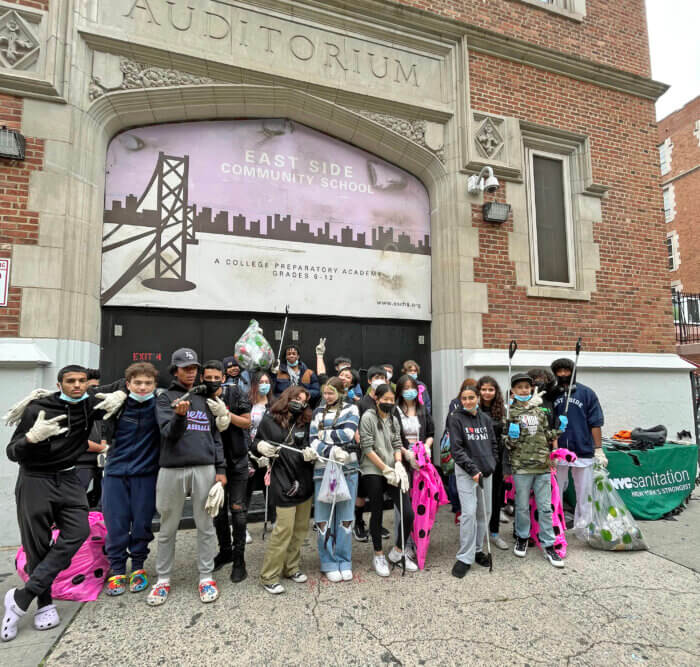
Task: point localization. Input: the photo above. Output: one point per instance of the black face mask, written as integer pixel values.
(386, 408)
(212, 386)
(296, 407)
(563, 382)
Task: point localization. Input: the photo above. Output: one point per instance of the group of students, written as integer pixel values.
(218, 440)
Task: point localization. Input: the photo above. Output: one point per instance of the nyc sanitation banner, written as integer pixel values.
(255, 215)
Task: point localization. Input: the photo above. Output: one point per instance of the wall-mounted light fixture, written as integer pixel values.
(496, 212)
(11, 144)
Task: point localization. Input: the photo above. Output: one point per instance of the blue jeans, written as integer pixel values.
(542, 486)
(336, 555)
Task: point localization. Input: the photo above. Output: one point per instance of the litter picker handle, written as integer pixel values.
(579, 345)
(513, 348)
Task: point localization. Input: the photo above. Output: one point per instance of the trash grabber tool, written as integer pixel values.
(486, 522)
(267, 490)
(284, 330)
(512, 349)
(579, 345)
(402, 562)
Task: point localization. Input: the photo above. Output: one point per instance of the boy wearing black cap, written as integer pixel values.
(529, 442)
(191, 463)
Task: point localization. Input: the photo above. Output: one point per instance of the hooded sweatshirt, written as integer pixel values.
(190, 440)
(473, 442)
(584, 414)
(61, 451)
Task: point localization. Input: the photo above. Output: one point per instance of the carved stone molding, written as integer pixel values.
(489, 137)
(414, 130)
(136, 75)
(20, 44)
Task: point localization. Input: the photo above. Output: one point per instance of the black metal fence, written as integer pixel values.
(686, 315)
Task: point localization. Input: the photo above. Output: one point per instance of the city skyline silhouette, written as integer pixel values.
(278, 227)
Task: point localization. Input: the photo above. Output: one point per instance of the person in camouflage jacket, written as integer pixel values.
(529, 441)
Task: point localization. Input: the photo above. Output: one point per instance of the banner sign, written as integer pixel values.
(653, 482)
(252, 215)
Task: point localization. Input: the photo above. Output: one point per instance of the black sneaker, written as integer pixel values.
(459, 569)
(360, 531)
(553, 557)
(520, 548)
(223, 558)
(482, 559)
(238, 572)
(385, 533)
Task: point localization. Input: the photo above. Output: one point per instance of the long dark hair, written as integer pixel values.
(497, 407)
(400, 386)
(255, 385)
(279, 410)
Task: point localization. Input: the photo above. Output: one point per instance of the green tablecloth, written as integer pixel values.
(665, 476)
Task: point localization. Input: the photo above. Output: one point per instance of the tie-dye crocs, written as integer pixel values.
(138, 581)
(208, 592)
(116, 585)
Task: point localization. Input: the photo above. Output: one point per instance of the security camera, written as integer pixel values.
(477, 184)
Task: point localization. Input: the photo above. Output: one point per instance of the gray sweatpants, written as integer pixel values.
(173, 485)
(473, 523)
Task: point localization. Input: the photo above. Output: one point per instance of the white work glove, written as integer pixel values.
(339, 455)
(111, 402)
(402, 476)
(266, 449)
(309, 454)
(600, 458)
(215, 500)
(390, 475)
(263, 462)
(428, 452)
(411, 458)
(220, 411)
(275, 368)
(321, 347)
(14, 414)
(45, 428)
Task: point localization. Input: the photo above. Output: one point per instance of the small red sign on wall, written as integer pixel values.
(146, 356)
(4, 280)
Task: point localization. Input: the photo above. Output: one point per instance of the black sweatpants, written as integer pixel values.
(236, 492)
(42, 501)
(375, 486)
(91, 474)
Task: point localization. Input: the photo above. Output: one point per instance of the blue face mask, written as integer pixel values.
(410, 394)
(139, 398)
(524, 399)
(68, 399)
(413, 375)
(263, 389)
(293, 363)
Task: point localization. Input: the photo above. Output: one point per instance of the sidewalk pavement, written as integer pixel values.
(602, 608)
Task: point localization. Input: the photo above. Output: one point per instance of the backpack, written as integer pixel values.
(447, 463)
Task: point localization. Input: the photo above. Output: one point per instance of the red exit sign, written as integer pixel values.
(146, 356)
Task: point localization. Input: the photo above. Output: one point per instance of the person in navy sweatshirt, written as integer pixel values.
(582, 435)
(129, 485)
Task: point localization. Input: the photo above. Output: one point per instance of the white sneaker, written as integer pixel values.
(346, 574)
(333, 576)
(499, 542)
(381, 567)
(395, 556)
(248, 537)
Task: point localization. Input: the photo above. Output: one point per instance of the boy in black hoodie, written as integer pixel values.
(191, 463)
(474, 449)
(52, 434)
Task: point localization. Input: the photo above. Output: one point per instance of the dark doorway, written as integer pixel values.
(140, 334)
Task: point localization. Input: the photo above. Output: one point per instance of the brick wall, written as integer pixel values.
(612, 33)
(630, 310)
(18, 225)
(685, 156)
